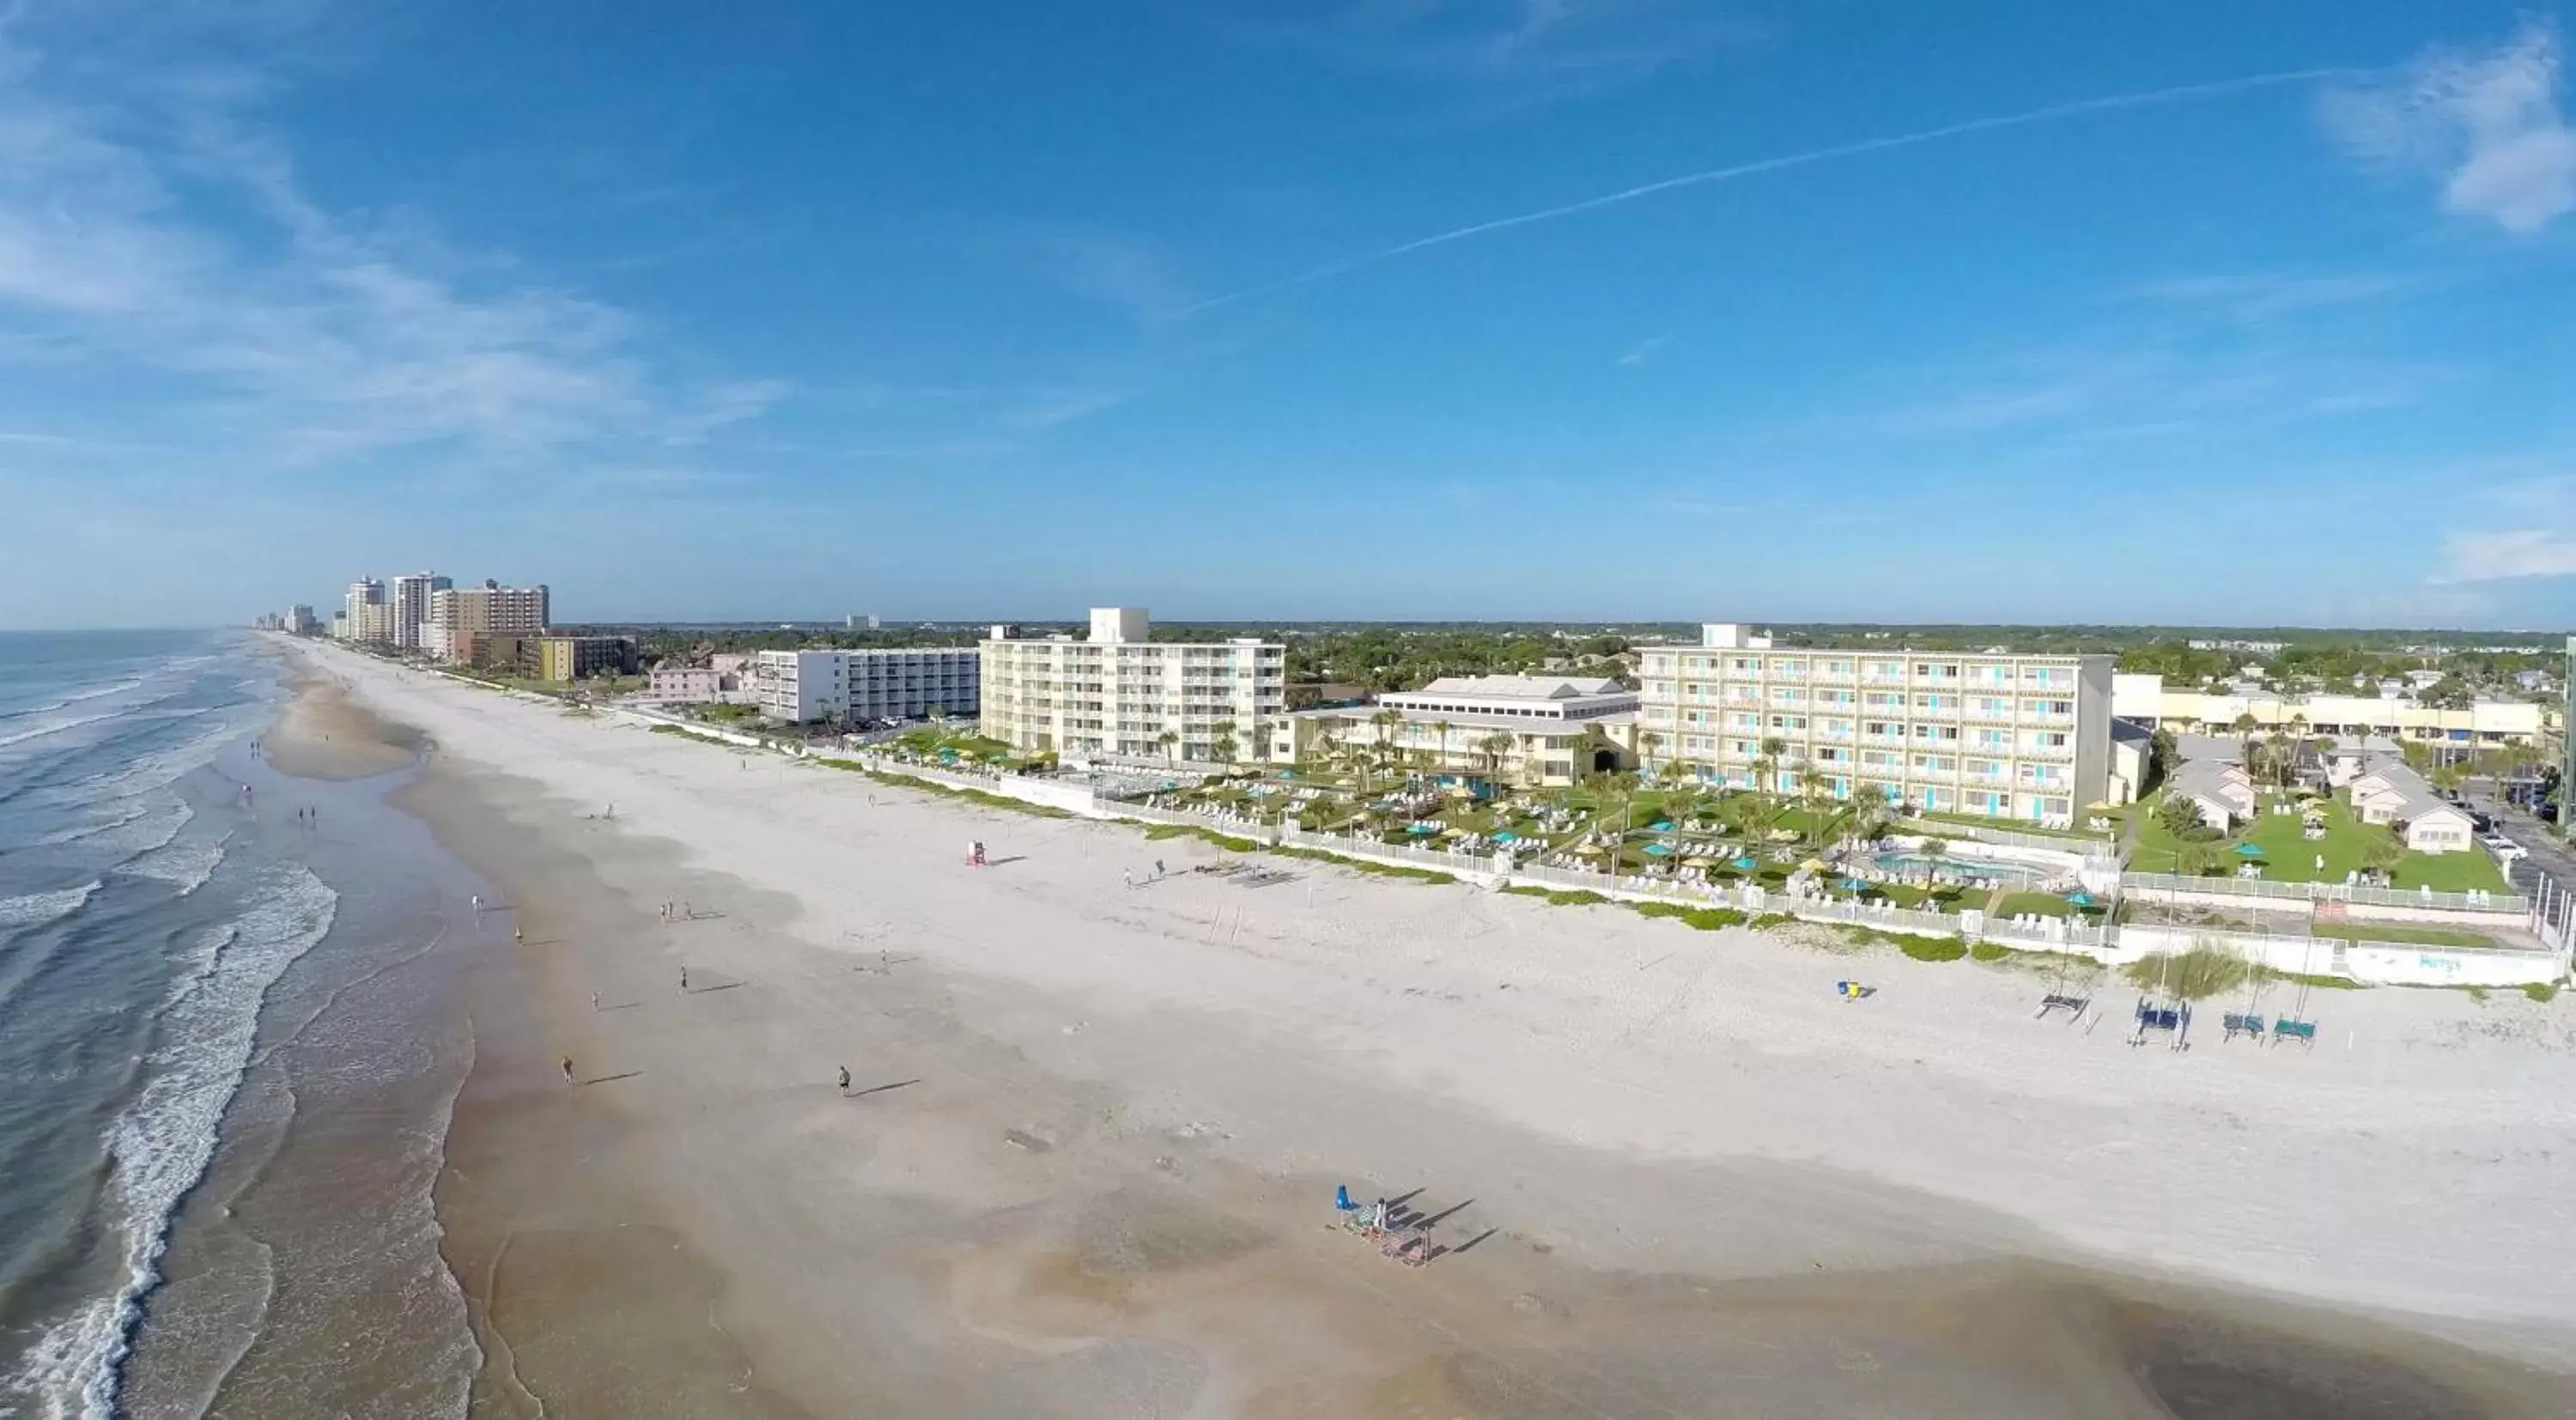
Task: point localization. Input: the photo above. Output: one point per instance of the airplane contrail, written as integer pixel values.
(2179, 94)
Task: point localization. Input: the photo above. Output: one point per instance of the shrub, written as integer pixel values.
(2195, 975)
(2541, 991)
(1929, 948)
(1524, 890)
(1710, 919)
(1576, 897)
(1989, 951)
(1661, 909)
(1771, 919)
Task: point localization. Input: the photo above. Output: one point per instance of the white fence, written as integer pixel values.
(2006, 837)
(1214, 823)
(2151, 884)
(1439, 860)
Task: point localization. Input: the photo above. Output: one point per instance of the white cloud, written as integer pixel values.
(2486, 126)
(2499, 556)
(158, 248)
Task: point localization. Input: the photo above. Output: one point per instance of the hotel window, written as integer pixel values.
(2048, 676)
(1838, 668)
(1744, 665)
(1936, 702)
(1782, 666)
(1929, 670)
(1881, 700)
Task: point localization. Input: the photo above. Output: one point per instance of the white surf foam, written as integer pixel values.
(35, 909)
(161, 1145)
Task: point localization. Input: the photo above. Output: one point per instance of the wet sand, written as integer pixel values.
(1042, 1203)
(321, 735)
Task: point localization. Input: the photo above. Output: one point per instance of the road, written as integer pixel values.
(2550, 859)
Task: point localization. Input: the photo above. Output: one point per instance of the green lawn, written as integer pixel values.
(2289, 857)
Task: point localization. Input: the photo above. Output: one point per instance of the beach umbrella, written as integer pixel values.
(1854, 885)
(1812, 865)
(2248, 850)
(1746, 865)
(2080, 899)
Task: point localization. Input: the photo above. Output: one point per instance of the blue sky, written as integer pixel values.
(1293, 308)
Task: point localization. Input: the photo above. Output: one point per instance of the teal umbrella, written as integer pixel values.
(1746, 865)
(2248, 850)
(2080, 899)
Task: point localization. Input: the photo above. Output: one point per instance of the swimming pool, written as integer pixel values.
(1983, 869)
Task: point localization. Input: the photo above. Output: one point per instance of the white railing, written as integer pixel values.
(1232, 826)
(2149, 884)
(2005, 837)
(1355, 847)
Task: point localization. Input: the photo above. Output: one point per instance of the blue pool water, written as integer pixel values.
(1911, 864)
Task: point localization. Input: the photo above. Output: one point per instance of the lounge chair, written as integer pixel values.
(2074, 1006)
(2304, 1032)
(2244, 1023)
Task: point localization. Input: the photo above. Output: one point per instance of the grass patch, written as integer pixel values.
(2542, 991)
(2195, 975)
(2307, 978)
(1771, 919)
(1928, 948)
(971, 796)
(1575, 897)
(1156, 833)
(1525, 890)
(1989, 951)
(1427, 876)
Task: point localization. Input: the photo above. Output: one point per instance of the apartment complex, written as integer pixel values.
(362, 611)
(850, 686)
(458, 616)
(1120, 694)
(1528, 730)
(410, 603)
(2146, 699)
(1993, 735)
(580, 657)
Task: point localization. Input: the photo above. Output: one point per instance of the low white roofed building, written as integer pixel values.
(1531, 730)
(2394, 794)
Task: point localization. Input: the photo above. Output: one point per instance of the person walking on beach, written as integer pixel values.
(1158, 867)
(518, 934)
(478, 902)
(594, 1001)
(684, 977)
(845, 1081)
(1130, 877)
(567, 1069)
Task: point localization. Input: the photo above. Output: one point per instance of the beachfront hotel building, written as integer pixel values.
(1118, 694)
(1540, 731)
(908, 683)
(1992, 735)
(410, 603)
(457, 616)
(360, 610)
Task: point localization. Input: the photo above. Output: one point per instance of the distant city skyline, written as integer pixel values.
(1479, 310)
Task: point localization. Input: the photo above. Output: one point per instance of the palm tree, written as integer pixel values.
(1495, 748)
(1442, 729)
(1221, 741)
(1649, 742)
(1385, 721)
(1932, 849)
(2382, 855)
(1167, 739)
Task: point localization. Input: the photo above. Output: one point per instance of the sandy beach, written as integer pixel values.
(1087, 1161)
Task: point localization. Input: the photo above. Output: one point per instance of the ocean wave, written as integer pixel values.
(35, 909)
(160, 1147)
(71, 700)
(187, 864)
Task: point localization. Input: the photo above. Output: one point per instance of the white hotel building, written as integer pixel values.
(1119, 694)
(849, 686)
(1992, 735)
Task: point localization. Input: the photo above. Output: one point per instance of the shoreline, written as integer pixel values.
(1067, 1119)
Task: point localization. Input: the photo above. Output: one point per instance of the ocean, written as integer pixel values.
(229, 1040)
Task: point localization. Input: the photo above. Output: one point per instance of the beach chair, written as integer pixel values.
(2154, 1015)
(1853, 990)
(2304, 1032)
(2244, 1023)
(2073, 1006)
